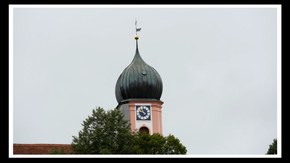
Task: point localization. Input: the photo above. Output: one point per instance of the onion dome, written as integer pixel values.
(138, 81)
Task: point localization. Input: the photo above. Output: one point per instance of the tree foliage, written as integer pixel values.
(273, 147)
(144, 143)
(106, 132)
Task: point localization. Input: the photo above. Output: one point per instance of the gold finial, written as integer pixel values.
(136, 37)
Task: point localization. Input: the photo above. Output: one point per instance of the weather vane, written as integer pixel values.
(137, 30)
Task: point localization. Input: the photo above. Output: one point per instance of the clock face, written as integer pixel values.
(143, 112)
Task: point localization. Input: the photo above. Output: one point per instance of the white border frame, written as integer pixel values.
(279, 141)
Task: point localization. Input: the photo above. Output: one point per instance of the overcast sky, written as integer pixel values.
(218, 66)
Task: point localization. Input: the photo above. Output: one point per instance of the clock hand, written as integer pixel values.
(142, 111)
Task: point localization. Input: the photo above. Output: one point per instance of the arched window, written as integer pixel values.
(144, 130)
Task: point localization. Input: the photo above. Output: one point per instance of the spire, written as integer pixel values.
(137, 50)
(136, 36)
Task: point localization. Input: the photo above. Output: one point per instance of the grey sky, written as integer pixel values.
(218, 66)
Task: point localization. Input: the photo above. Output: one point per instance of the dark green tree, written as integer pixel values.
(104, 132)
(273, 147)
(173, 146)
(144, 143)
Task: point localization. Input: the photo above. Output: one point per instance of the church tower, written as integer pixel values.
(138, 91)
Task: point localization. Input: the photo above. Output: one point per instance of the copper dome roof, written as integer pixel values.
(138, 81)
